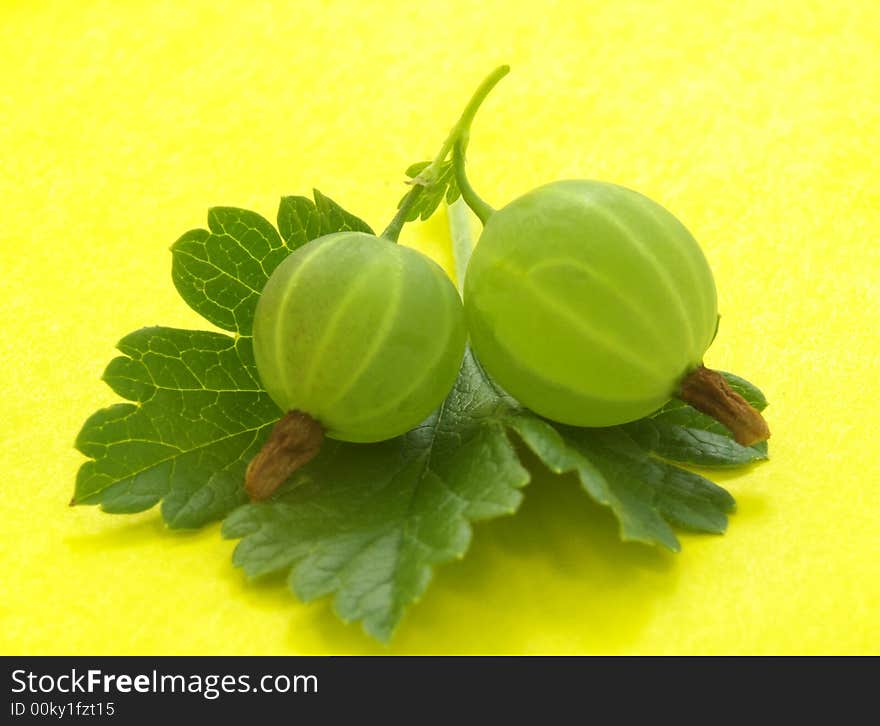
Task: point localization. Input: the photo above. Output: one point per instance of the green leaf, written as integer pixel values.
(363, 523)
(300, 219)
(199, 415)
(608, 482)
(367, 522)
(442, 186)
(683, 434)
(644, 494)
(335, 219)
(747, 390)
(220, 272)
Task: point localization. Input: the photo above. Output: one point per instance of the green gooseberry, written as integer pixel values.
(589, 302)
(363, 335)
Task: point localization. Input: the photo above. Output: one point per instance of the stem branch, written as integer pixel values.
(467, 117)
(474, 200)
(392, 231)
(461, 130)
(462, 239)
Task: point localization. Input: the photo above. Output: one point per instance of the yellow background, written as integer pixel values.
(757, 123)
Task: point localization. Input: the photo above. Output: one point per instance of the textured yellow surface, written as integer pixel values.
(755, 122)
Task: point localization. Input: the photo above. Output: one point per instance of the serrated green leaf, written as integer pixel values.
(367, 522)
(301, 220)
(201, 413)
(199, 416)
(644, 494)
(335, 219)
(611, 483)
(220, 272)
(298, 221)
(681, 497)
(690, 501)
(684, 437)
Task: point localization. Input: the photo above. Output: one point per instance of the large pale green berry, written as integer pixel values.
(589, 302)
(362, 334)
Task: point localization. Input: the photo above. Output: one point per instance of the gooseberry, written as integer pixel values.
(364, 335)
(593, 305)
(356, 338)
(589, 302)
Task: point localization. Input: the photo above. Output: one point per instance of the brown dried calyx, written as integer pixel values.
(295, 440)
(707, 391)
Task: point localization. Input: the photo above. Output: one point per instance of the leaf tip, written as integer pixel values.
(381, 632)
(667, 540)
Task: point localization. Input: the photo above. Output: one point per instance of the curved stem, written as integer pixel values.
(459, 217)
(463, 126)
(461, 130)
(474, 200)
(392, 231)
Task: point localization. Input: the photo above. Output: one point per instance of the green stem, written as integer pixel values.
(474, 200)
(461, 130)
(462, 238)
(392, 231)
(467, 117)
